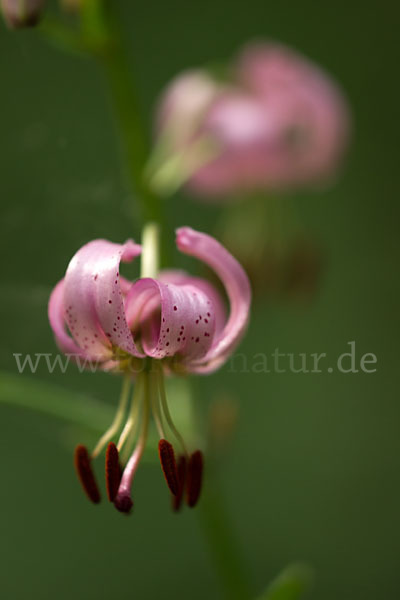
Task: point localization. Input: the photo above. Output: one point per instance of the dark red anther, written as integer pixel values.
(168, 463)
(123, 503)
(85, 473)
(177, 500)
(194, 477)
(113, 471)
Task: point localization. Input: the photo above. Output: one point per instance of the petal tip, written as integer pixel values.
(130, 250)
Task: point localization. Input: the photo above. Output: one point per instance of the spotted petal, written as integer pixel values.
(237, 286)
(172, 319)
(57, 321)
(93, 301)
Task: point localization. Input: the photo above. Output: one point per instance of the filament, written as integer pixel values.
(117, 422)
(130, 428)
(167, 414)
(155, 403)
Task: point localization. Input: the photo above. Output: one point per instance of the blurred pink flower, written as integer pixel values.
(22, 13)
(281, 123)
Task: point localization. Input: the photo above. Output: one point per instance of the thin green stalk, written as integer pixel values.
(100, 25)
(222, 542)
(119, 78)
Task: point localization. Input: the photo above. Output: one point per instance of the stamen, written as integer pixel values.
(168, 463)
(194, 478)
(165, 409)
(117, 422)
(113, 471)
(177, 500)
(129, 430)
(85, 474)
(155, 403)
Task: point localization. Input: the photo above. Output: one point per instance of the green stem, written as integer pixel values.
(150, 257)
(222, 542)
(101, 26)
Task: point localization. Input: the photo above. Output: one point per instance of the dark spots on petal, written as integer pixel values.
(110, 302)
(205, 320)
(168, 330)
(167, 344)
(197, 321)
(208, 315)
(175, 308)
(197, 340)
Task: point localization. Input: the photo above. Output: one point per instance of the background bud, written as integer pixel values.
(21, 13)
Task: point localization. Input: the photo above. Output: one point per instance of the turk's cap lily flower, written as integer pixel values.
(176, 318)
(21, 13)
(280, 122)
(171, 323)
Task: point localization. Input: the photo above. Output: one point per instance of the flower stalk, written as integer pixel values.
(101, 35)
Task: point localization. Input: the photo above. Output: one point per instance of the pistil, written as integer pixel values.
(123, 501)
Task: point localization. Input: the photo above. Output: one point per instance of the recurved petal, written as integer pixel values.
(171, 319)
(237, 286)
(57, 321)
(93, 300)
(178, 277)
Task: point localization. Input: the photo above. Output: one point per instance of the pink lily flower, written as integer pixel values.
(174, 323)
(281, 122)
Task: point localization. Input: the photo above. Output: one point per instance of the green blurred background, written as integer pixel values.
(313, 472)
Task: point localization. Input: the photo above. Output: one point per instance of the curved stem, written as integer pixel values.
(222, 541)
(103, 31)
